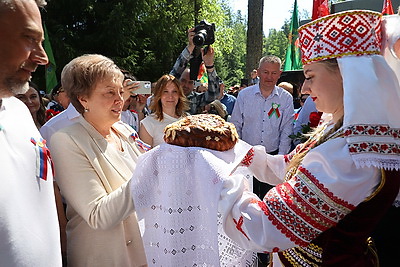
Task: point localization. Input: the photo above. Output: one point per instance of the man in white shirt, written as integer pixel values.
(263, 114)
(61, 120)
(29, 231)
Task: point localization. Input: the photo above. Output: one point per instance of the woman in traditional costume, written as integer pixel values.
(332, 190)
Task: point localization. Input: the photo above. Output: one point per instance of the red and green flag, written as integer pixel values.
(50, 69)
(293, 58)
(387, 8)
(202, 76)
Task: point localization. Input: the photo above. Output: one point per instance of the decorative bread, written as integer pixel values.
(203, 130)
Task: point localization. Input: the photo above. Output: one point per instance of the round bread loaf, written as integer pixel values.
(203, 130)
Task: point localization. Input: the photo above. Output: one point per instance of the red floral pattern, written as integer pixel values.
(371, 130)
(302, 208)
(372, 147)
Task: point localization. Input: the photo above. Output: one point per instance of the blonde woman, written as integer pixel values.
(94, 160)
(331, 191)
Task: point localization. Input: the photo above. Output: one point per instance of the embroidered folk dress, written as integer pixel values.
(325, 188)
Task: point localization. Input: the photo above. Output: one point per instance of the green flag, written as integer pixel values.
(293, 58)
(50, 69)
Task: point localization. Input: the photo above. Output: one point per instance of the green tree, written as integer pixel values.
(276, 43)
(231, 56)
(144, 36)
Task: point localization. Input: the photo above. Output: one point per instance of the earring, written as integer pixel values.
(86, 110)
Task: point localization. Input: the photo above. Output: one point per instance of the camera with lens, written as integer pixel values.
(204, 33)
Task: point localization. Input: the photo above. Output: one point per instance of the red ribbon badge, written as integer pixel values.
(274, 110)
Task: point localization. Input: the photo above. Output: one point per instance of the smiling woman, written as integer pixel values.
(319, 212)
(33, 100)
(94, 159)
(168, 105)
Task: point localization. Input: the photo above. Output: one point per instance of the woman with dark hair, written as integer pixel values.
(33, 100)
(168, 105)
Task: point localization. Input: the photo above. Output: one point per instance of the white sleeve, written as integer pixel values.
(326, 187)
(267, 168)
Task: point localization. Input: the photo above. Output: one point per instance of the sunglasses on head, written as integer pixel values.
(60, 91)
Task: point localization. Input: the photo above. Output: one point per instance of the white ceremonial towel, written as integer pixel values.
(176, 192)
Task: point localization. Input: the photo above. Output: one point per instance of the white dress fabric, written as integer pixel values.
(29, 230)
(371, 107)
(326, 187)
(156, 128)
(176, 192)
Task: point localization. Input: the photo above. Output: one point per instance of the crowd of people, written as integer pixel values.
(68, 158)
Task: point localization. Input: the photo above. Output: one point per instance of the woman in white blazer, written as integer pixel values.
(94, 160)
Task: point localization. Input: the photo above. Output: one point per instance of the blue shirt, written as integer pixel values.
(229, 102)
(264, 121)
(304, 114)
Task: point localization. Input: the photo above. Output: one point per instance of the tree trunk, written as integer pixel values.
(254, 34)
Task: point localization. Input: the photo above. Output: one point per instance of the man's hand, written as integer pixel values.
(191, 45)
(208, 58)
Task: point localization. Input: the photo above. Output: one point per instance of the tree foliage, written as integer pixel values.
(276, 43)
(143, 36)
(277, 40)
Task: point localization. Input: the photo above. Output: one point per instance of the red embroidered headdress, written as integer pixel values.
(371, 123)
(347, 33)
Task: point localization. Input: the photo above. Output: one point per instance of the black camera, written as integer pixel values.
(204, 33)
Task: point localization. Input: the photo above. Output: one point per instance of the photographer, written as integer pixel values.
(196, 100)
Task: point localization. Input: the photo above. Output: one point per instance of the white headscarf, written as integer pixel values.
(371, 90)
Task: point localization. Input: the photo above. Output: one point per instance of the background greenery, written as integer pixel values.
(146, 36)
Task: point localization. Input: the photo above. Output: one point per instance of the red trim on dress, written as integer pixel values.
(239, 225)
(299, 212)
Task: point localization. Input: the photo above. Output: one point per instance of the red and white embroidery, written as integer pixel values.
(341, 34)
(248, 159)
(371, 130)
(303, 208)
(373, 147)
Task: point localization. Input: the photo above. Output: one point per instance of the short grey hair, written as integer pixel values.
(270, 59)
